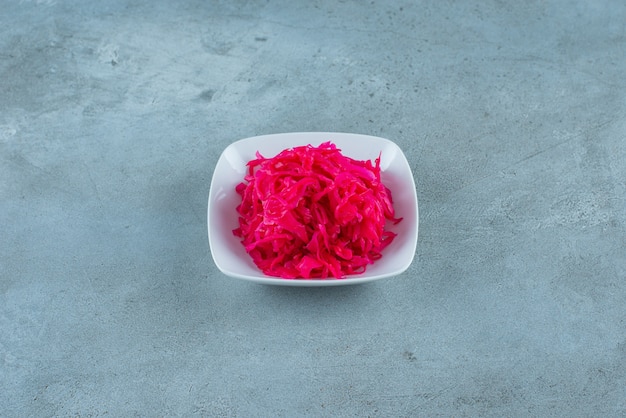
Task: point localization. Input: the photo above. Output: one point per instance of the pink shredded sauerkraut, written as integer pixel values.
(311, 212)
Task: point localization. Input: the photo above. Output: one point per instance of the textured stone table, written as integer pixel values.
(512, 116)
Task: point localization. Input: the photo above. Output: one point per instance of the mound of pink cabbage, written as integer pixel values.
(311, 212)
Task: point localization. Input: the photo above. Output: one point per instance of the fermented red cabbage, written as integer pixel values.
(311, 212)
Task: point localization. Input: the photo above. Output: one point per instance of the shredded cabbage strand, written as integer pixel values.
(311, 212)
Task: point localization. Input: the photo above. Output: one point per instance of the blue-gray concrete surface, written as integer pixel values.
(512, 115)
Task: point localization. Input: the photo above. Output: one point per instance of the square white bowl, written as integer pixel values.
(229, 254)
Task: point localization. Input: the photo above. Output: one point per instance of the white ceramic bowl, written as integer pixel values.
(228, 252)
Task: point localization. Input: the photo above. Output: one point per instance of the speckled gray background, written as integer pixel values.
(512, 115)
